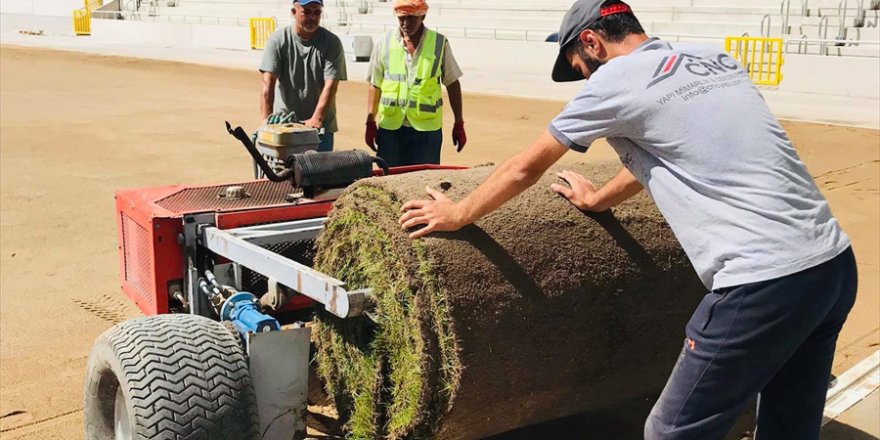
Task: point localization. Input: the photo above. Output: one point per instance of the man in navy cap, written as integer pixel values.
(692, 130)
(306, 61)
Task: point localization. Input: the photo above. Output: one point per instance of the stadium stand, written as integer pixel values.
(818, 27)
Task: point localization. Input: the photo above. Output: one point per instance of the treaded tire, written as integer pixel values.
(182, 377)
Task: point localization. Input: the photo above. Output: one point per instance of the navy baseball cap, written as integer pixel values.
(583, 13)
(308, 2)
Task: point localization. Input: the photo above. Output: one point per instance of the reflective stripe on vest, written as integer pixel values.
(421, 102)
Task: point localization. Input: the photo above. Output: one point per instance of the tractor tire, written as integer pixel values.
(169, 377)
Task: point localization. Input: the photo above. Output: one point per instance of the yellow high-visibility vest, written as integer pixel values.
(421, 103)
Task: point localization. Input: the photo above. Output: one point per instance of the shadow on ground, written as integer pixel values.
(626, 421)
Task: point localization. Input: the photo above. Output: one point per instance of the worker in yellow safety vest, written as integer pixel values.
(405, 105)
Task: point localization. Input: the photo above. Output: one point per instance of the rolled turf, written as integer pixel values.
(535, 312)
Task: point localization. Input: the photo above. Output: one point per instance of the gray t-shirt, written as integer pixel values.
(301, 67)
(695, 131)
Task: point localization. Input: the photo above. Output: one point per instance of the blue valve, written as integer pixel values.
(244, 313)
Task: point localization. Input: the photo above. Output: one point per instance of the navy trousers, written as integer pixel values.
(773, 338)
(408, 146)
(326, 144)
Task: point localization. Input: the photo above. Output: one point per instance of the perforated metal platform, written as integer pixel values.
(262, 194)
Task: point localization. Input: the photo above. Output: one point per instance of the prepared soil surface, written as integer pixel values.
(74, 128)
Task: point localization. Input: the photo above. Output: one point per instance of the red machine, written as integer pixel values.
(216, 268)
(151, 223)
(151, 231)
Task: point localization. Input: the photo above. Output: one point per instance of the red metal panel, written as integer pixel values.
(299, 302)
(140, 204)
(137, 255)
(229, 220)
(121, 221)
(149, 256)
(167, 257)
(149, 221)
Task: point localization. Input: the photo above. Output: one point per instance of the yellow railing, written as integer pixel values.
(762, 57)
(92, 5)
(82, 22)
(82, 18)
(261, 29)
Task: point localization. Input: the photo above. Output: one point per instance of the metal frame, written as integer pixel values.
(195, 262)
(275, 233)
(242, 245)
(765, 31)
(785, 12)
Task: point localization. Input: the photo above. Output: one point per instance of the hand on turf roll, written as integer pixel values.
(440, 214)
(580, 192)
(459, 137)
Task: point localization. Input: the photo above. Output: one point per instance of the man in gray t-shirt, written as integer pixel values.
(306, 62)
(693, 131)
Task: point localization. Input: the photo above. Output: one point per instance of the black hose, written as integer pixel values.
(243, 137)
(381, 162)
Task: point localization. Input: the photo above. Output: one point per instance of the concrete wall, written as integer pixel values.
(52, 8)
(48, 24)
(181, 35)
(847, 77)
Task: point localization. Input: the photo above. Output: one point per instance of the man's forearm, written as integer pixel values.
(267, 103)
(327, 96)
(454, 91)
(511, 178)
(623, 186)
(373, 96)
(267, 95)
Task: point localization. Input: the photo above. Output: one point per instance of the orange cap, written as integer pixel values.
(410, 7)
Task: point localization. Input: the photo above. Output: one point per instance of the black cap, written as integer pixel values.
(583, 13)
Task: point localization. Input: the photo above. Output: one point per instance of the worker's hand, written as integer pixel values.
(581, 193)
(314, 122)
(440, 214)
(370, 134)
(459, 137)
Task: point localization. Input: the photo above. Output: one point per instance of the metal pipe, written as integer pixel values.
(784, 10)
(211, 278)
(178, 295)
(860, 13)
(212, 293)
(761, 66)
(801, 44)
(841, 14)
(752, 48)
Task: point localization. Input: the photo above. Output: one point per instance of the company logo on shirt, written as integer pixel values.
(695, 65)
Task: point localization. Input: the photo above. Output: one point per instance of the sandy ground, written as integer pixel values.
(74, 128)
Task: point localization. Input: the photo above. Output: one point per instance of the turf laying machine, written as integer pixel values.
(223, 273)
